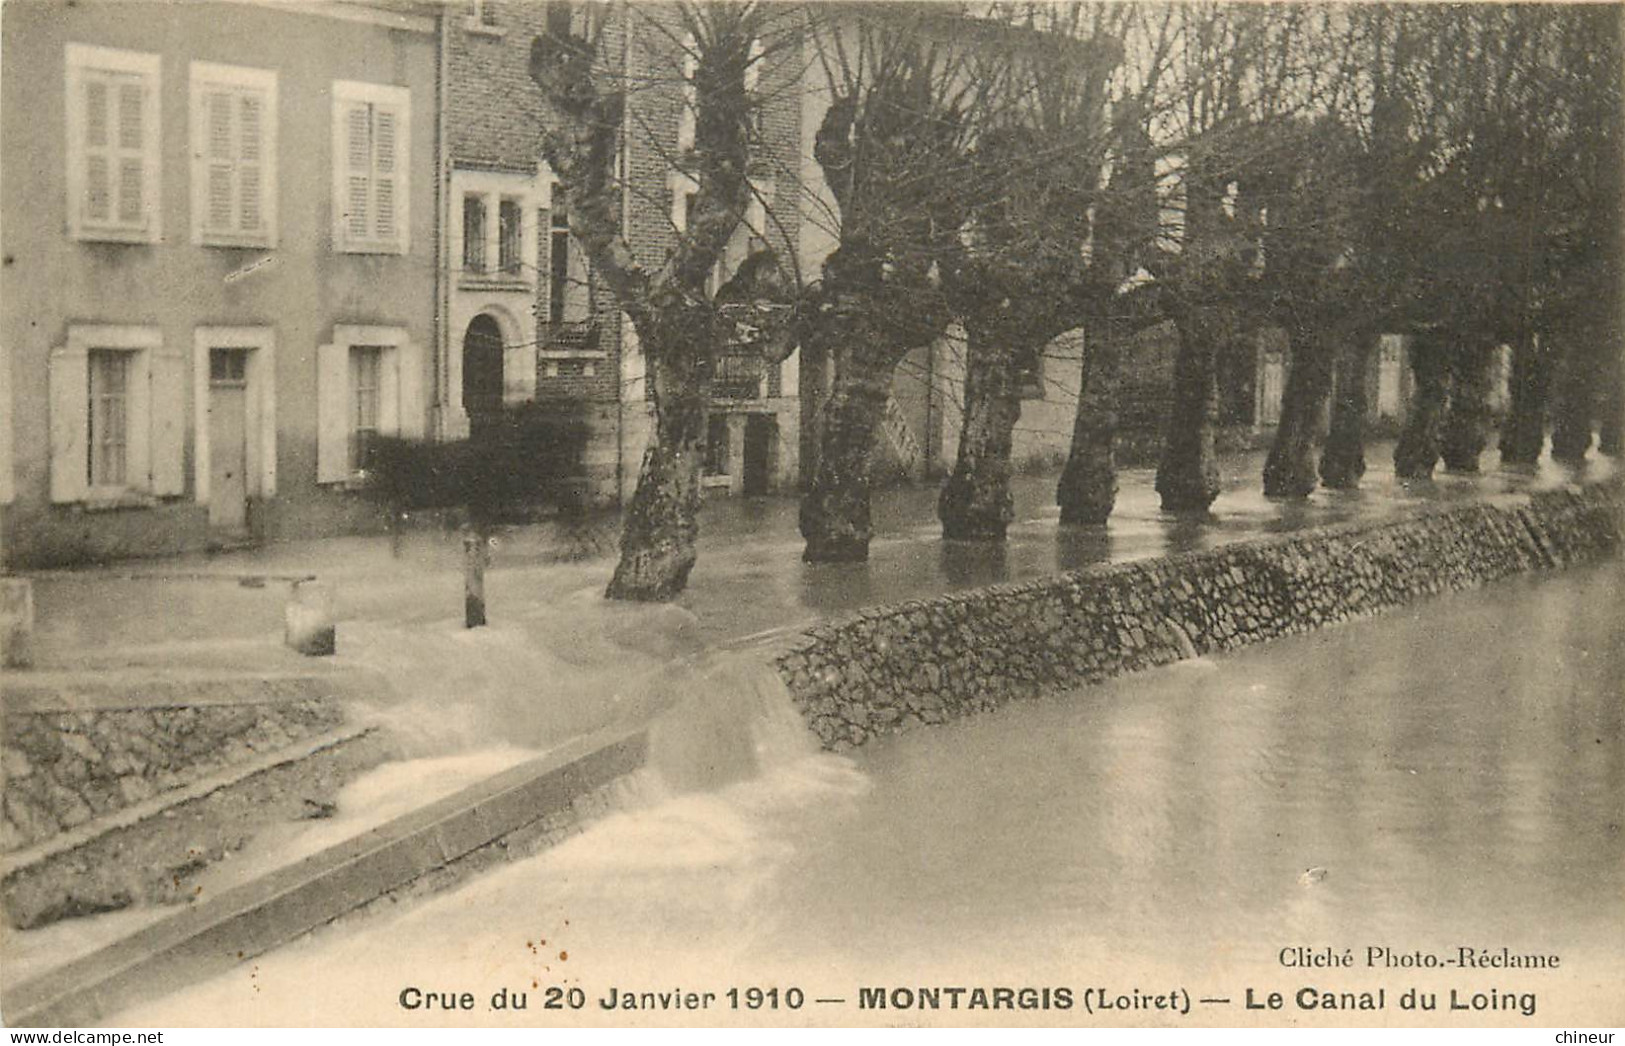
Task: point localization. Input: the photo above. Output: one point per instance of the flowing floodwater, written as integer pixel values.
(1447, 776)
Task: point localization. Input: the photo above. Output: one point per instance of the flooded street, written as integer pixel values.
(749, 577)
(1450, 775)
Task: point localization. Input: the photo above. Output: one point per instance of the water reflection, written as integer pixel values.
(971, 563)
(1079, 547)
(1187, 531)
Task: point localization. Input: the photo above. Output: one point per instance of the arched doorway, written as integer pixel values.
(482, 372)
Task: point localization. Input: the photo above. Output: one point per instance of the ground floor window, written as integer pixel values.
(366, 365)
(369, 385)
(118, 415)
(109, 418)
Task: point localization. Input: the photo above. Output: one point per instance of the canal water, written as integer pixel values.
(1448, 776)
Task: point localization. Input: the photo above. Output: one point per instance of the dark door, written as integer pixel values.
(761, 433)
(482, 371)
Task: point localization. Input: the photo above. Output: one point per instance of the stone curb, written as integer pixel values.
(95, 689)
(246, 921)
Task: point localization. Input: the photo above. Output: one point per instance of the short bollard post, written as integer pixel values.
(473, 578)
(16, 622)
(309, 619)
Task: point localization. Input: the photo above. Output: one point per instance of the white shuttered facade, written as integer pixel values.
(209, 220)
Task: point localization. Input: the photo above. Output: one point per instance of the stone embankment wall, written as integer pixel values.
(928, 661)
(63, 768)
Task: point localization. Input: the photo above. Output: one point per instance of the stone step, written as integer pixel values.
(150, 851)
(78, 746)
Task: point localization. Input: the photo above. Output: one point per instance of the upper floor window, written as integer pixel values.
(560, 18)
(234, 152)
(567, 293)
(112, 139)
(473, 233)
(511, 237)
(495, 232)
(371, 148)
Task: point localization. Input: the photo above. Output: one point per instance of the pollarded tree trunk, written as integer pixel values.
(1088, 486)
(1417, 452)
(1342, 460)
(835, 507)
(1523, 434)
(1289, 471)
(1576, 400)
(1467, 420)
(1188, 475)
(662, 522)
(975, 503)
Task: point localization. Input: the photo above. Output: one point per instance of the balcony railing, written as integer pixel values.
(568, 337)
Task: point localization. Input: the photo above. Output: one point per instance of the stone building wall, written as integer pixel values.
(928, 661)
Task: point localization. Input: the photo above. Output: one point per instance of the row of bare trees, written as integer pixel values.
(1019, 171)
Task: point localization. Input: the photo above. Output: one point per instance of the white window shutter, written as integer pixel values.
(218, 151)
(70, 425)
(96, 113)
(98, 174)
(358, 170)
(168, 413)
(332, 413)
(250, 184)
(132, 139)
(386, 199)
(413, 424)
(389, 392)
(138, 420)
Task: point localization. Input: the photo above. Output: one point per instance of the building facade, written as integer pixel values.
(219, 268)
(529, 326)
(244, 239)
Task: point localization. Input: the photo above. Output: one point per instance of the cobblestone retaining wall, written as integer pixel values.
(927, 661)
(64, 768)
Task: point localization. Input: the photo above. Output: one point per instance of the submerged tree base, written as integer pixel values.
(1416, 454)
(832, 548)
(1087, 492)
(1466, 429)
(976, 504)
(650, 576)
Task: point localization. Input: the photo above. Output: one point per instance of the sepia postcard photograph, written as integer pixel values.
(544, 514)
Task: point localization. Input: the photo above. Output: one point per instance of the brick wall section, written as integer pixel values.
(493, 110)
(894, 668)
